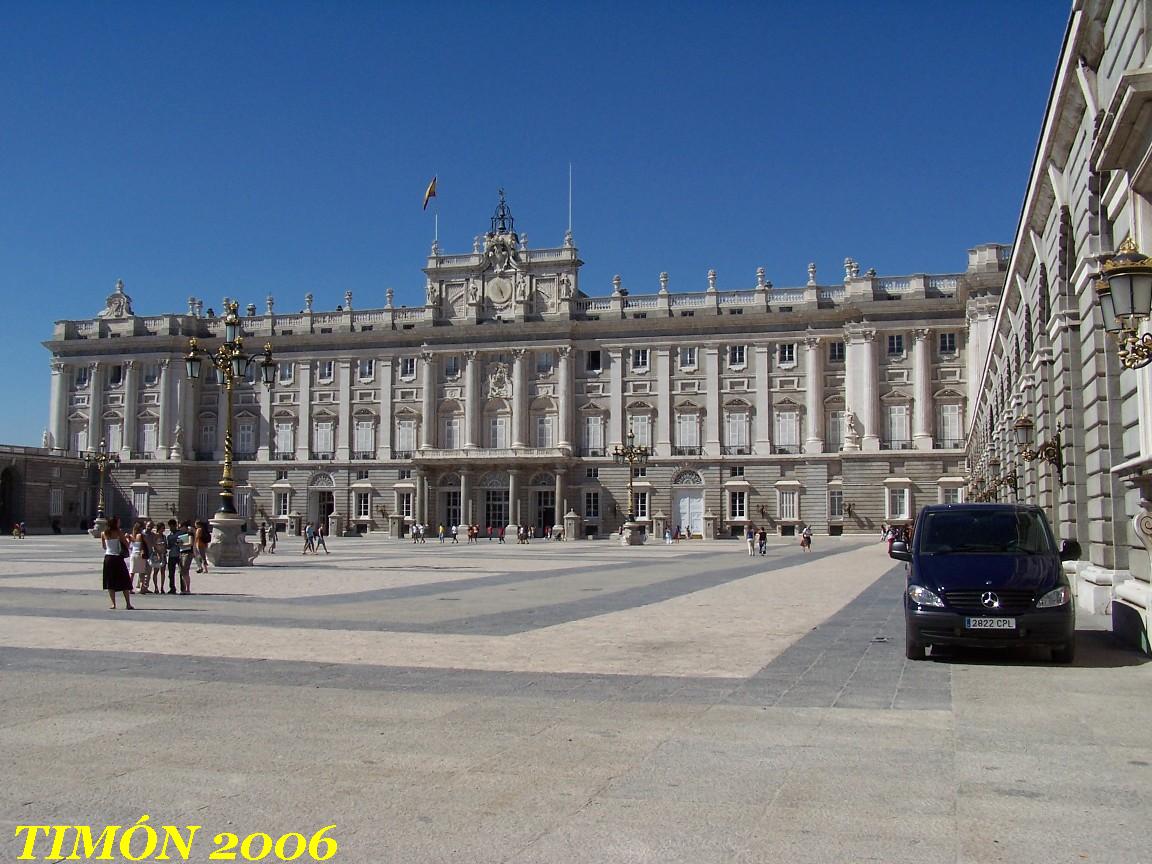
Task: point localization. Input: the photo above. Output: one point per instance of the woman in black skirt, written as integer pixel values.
(116, 576)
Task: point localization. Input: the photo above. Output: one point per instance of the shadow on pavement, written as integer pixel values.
(1095, 649)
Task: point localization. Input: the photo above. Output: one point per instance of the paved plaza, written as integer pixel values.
(559, 702)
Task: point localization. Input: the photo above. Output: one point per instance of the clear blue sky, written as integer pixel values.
(236, 149)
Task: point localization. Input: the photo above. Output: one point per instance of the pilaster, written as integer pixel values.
(471, 400)
(344, 430)
(304, 432)
(922, 390)
(58, 406)
(712, 401)
(814, 394)
(384, 365)
(763, 433)
(131, 397)
(428, 400)
(519, 397)
(663, 438)
(564, 371)
(616, 400)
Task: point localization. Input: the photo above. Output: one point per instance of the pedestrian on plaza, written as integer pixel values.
(806, 538)
(489, 533)
(762, 538)
(115, 574)
(321, 533)
(309, 539)
(187, 551)
(263, 537)
(138, 564)
(501, 533)
(272, 532)
(667, 536)
(676, 536)
(531, 533)
(440, 532)
(172, 554)
(200, 542)
(455, 532)
(156, 556)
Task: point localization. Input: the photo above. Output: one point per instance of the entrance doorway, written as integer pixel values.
(688, 510)
(325, 505)
(545, 512)
(495, 509)
(10, 511)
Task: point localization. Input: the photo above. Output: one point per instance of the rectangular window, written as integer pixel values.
(252, 373)
(544, 431)
(592, 473)
(207, 442)
(735, 355)
(286, 372)
(280, 504)
(951, 426)
(736, 432)
(149, 434)
(323, 437)
(591, 505)
(641, 426)
(151, 373)
(404, 474)
(363, 505)
(56, 502)
(140, 502)
(899, 438)
(786, 353)
(736, 471)
(947, 343)
(688, 430)
(81, 379)
(835, 427)
(641, 505)
(450, 433)
(362, 473)
(407, 367)
(324, 370)
(788, 431)
(737, 504)
(688, 357)
(365, 436)
(285, 440)
(498, 432)
(642, 471)
(115, 375)
(366, 369)
(788, 504)
(950, 495)
(451, 366)
(592, 361)
(80, 440)
(406, 435)
(639, 359)
(594, 435)
(898, 503)
(895, 345)
(281, 473)
(836, 352)
(246, 437)
(835, 503)
(543, 362)
(404, 504)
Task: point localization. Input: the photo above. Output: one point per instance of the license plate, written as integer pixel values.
(990, 623)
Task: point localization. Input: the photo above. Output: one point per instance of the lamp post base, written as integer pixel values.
(228, 548)
(632, 534)
(98, 526)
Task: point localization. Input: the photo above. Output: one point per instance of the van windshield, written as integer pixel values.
(984, 531)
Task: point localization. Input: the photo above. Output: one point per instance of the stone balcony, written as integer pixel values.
(491, 454)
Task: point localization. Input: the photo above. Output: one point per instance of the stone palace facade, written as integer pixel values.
(500, 400)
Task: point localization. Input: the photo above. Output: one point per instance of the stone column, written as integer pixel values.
(814, 394)
(922, 406)
(264, 429)
(763, 439)
(344, 421)
(615, 430)
(95, 404)
(58, 407)
(428, 401)
(471, 400)
(513, 502)
(663, 439)
(558, 518)
(418, 496)
(564, 371)
(186, 399)
(519, 397)
(466, 497)
(869, 414)
(164, 432)
(981, 316)
(131, 383)
(384, 435)
(711, 440)
(304, 432)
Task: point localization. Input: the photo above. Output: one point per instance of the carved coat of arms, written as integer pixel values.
(499, 386)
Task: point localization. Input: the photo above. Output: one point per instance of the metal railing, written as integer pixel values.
(363, 454)
(896, 444)
(322, 455)
(786, 449)
(284, 456)
(687, 450)
(736, 450)
(948, 444)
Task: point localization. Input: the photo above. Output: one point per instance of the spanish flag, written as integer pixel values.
(430, 192)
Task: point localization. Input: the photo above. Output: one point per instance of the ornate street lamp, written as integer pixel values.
(101, 459)
(631, 455)
(1125, 295)
(232, 363)
(1051, 451)
(228, 547)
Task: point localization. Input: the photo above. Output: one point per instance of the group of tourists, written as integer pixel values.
(314, 535)
(149, 552)
(757, 540)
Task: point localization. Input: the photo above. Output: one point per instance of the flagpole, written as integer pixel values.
(436, 229)
(569, 197)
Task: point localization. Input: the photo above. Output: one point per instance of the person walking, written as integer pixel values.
(762, 538)
(750, 539)
(456, 535)
(273, 530)
(489, 533)
(667, 536)
(263, 537)
(187, 550)
(806, 538)
(200, 542)
(309, 539)
(321, 533)
(156, 556)
(138, 564)
(115, 574)
(172, 553)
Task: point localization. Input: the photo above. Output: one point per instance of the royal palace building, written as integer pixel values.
(502, 398)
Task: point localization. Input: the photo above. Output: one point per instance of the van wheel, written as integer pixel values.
(1066, 653)
(914, 650)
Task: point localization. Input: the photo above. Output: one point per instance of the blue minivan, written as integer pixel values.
(987, 575)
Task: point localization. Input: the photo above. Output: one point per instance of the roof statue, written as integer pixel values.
(118, 304)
